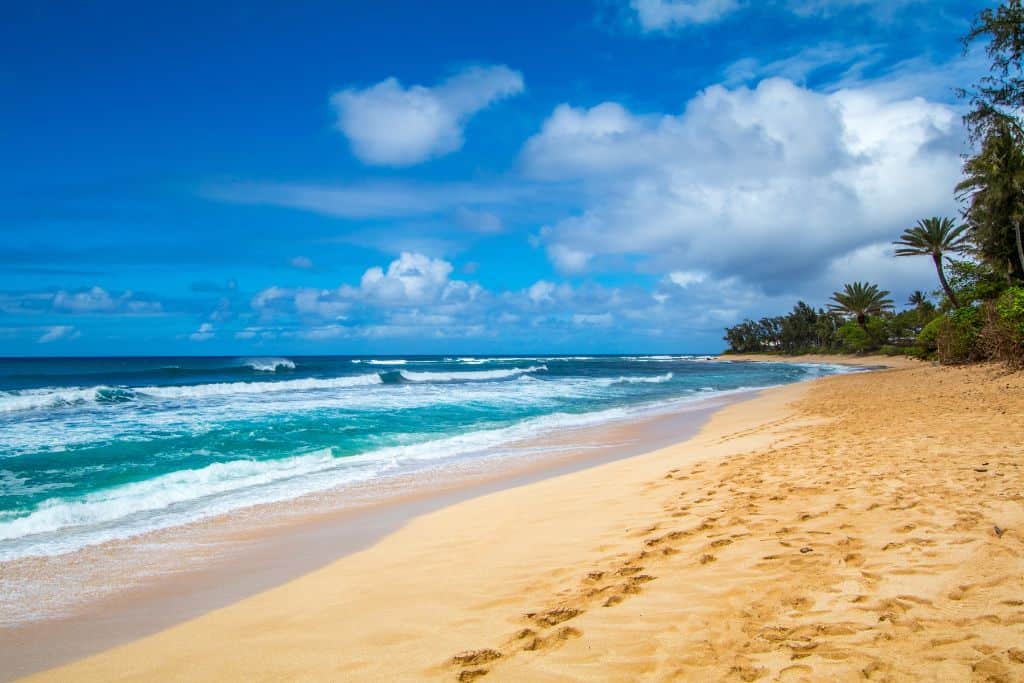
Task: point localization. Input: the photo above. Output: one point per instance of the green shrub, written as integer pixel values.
(957, 337)
(853, 338)
(1002, 334)
(927, 339)
(921, 353)
(1010, 307)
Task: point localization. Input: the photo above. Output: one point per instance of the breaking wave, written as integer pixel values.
(469, 375)
(270, 364)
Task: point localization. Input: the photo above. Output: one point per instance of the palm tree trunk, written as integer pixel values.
(1020, 245)
(937, 258)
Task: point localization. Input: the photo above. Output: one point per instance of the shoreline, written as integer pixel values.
(234, 556)
(804, 533)
(869, 361)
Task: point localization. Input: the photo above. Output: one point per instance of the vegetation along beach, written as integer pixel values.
(638, 340)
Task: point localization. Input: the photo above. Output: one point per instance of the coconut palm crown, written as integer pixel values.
(918, 299)
(934, 237)
(860, 300)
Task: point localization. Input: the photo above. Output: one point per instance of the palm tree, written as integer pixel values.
(934, 237)
(918, 299)
(993, 188)
(860, 300)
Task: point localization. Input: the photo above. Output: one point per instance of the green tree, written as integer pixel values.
(797, 331)
(993, 189)
(918, 299)
(934, 237)
(860, 300)
(997, 100)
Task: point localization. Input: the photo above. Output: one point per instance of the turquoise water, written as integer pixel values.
(98, 449)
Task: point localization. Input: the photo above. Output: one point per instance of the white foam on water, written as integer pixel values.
(237, 388)
(34, 399)
(469, 374)
(270, 364)
(640, 379)
(59, 525)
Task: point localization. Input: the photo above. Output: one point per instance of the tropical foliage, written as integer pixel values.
(860, 300)
(934, 237)
(979, 314)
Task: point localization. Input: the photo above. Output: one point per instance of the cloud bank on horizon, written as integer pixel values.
(506, 206)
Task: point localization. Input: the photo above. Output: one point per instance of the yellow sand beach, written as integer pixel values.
(863, 526)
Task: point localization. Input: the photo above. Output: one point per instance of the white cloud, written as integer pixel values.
(411, 278)
(204, 333)
(568, 259)
(301, 262)
(372, 200)
(665, 15)
(830, 7)
(483, 222)
(409, 282)
(324, 332)
(685, 278)
(876, 263)
(592, 319)
(661, 15)
(389, 124)
(57, 332)
(92, 300)
(322, 303)
(541, 291)
(99, 300)
(767, 184)
(798, 66)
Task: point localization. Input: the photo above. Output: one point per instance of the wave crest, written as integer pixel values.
(270, 364)
(469, 375)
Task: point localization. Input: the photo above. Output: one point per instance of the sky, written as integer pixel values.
(601, 176)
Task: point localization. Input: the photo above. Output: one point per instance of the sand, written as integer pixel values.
(859, 526)
(865, 361)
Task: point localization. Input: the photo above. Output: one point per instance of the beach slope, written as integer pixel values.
(859, 526)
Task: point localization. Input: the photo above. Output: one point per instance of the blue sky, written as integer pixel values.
(337, 177)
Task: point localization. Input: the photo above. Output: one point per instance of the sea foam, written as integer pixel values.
(469, 375)
(270, 364)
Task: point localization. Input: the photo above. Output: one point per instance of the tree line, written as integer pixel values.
(979, 260)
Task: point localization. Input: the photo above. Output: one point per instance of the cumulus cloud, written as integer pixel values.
(767, 184)
(540, 291)
(411, 278)
(390, 124)
(418, 295)
(99, 300)
(95, 300)
(305, 301)
(660, 15)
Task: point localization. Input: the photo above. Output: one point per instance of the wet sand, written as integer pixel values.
(865, 526)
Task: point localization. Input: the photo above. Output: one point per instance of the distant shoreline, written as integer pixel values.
(870, 361)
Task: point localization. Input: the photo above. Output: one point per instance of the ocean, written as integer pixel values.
(98, 449)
